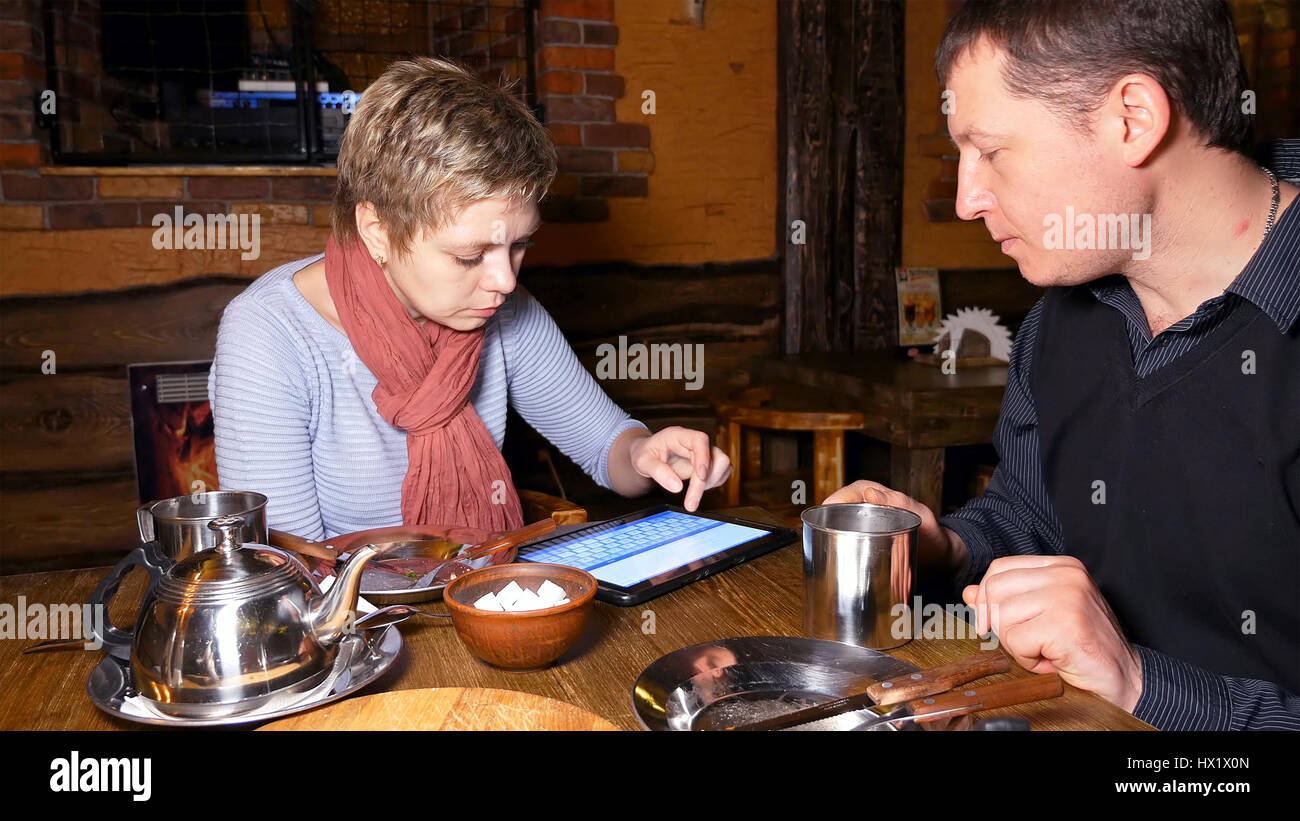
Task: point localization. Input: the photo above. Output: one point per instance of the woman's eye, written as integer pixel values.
(990, 154)
(470, 263)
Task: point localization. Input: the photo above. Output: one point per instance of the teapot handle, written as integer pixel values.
(147, 556)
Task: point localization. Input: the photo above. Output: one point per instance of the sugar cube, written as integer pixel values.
(515, 599)
(509, 594)
(550, 592)
(528, 600)
(489, 602)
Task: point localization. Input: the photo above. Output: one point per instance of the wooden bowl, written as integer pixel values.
(527, 640)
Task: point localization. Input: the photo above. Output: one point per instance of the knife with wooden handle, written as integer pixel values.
(961, 702)
(903, 688)
(939, 679)
(289, 541)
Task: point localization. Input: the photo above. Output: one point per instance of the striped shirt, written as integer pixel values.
(1014, 515)
(295, 419)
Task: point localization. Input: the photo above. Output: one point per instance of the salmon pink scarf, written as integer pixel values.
(455, 474)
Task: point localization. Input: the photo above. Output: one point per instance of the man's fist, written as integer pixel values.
(1049, 616)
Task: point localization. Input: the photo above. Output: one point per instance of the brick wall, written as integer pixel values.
(22, 77)
(488, 39)
(29, 199)
(577, 85)
(95, 111)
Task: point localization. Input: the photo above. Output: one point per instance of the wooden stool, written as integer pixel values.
(796, 408)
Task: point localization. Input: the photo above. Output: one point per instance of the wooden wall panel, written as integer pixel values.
(107, 331)
(732, 309)
(67, 471)
(70, 423)
(109, 259)
(85, 522)
(842, 137)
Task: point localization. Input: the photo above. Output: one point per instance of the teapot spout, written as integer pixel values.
(330, 615)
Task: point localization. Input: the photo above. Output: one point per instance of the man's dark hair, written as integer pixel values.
(1070, 53)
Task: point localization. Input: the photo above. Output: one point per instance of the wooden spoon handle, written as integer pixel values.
(512, 538)
(1020, 691)
(940, 679)
(288, 541)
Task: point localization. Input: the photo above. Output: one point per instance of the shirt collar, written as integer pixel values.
(1271, 279)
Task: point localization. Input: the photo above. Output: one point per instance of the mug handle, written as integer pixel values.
(144, 522)
(118, 642)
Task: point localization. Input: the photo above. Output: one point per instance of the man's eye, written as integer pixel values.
(470, 263)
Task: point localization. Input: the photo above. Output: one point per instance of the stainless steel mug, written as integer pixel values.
(858, 561)
(180, 524)
(171, 530)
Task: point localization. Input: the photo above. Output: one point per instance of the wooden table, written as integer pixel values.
(47, 691)
(917, 409)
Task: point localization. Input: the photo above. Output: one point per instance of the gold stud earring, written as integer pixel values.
(379, 259)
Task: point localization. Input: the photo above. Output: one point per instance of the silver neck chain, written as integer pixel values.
(1272, 211)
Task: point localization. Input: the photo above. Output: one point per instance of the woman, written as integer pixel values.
(368, 386)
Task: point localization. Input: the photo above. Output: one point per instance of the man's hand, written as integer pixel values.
(1050, 616)
(935, 544)
(675, 454)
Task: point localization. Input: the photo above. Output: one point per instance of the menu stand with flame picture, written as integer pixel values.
(171, 422)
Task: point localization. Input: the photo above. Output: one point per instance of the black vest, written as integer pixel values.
(1201, 469)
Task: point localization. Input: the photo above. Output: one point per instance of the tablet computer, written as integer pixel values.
(648, 553)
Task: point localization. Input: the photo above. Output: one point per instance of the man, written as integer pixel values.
(1141, 535)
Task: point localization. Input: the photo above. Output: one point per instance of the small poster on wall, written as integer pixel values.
(919, 311)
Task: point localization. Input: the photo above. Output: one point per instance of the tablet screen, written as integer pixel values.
(624, 554)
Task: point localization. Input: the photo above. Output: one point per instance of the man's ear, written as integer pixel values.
(1140, 110)
(372, 230)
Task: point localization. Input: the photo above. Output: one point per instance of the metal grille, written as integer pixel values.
(252, 81)
(182, 387)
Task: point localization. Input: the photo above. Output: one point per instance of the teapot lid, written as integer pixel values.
(232, 564)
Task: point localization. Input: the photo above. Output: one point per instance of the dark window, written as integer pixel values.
(251, 81)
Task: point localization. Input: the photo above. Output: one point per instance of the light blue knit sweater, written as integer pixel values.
(295, 420)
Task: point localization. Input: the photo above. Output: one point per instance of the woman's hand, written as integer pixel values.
(676, 454)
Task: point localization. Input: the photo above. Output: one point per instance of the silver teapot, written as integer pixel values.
(171, 530)
(226, 629)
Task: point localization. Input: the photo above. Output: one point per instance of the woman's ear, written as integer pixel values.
(1140, 110)
(372, 231)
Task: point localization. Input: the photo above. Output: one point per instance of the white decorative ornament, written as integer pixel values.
(980, 320)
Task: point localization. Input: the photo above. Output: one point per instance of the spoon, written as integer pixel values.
(393, 614)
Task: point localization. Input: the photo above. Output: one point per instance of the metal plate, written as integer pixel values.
(417, 595)
(470, 538)
(456, 535)
(736, 681)
(372, 654)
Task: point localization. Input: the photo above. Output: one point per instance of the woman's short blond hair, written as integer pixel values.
(428, 138)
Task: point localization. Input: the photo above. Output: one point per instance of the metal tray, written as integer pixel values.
(361, 659)
(739, 680)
